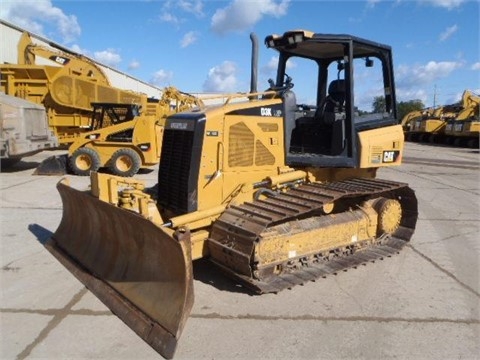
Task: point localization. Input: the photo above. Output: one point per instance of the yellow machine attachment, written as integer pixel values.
(272, 192)
(28, 52)
(123, 272)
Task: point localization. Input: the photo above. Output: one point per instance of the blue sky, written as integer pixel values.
(204, 46)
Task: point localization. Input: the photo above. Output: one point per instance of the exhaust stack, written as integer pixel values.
(254, 65)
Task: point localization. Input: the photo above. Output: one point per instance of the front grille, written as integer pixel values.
(174, 170)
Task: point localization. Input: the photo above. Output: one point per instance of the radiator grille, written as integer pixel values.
(241, 143)
(263, 156)
(174, 170)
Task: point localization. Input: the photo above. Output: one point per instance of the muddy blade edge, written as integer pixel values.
(142, 273)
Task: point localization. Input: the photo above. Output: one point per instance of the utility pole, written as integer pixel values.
(434, 95)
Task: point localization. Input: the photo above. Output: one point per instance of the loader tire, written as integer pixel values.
(9, 162)
(84, 160)
(125, 162)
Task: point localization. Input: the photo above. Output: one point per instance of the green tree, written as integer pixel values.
(378, 104)
(404, 107)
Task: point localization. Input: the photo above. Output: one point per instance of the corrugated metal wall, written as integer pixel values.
(8, 44)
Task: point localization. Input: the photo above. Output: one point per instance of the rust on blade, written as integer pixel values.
(141, 272)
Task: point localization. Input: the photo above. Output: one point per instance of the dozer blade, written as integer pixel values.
(140, 271)
(53, 165)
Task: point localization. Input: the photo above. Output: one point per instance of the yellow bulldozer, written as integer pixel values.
(274, 192)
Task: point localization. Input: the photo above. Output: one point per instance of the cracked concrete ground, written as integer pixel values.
(423, 303)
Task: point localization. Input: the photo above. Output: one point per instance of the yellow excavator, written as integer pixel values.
(464, 129)
(408, 121)
(274, 192)
(431, 126)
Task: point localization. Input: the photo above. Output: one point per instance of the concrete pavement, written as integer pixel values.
(421, 304)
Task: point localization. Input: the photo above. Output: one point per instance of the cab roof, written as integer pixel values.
(308, 44)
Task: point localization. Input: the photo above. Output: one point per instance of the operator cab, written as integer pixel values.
(349, 88)
(108, 114)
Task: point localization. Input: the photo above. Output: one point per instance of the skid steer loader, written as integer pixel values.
(273, 191)
(121, 138)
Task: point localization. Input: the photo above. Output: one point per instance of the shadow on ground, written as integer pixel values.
(208, 273)
(40, 233)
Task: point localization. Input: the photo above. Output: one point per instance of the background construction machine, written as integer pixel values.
(275, 193)
(464, 129)
(67, 89)
(431, 126)
(456, 124)
(24, 130)
(123, 137)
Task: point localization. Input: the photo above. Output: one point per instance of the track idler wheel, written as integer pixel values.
(389, 215)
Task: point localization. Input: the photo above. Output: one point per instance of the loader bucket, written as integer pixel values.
(53, 165)
(140, 271)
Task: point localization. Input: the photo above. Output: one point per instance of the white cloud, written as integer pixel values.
(161, 78)
(409, 94)
(372, 3)
(447, 4)
(193, 6)
(35, 15)
(76, 48)
(241, 15)
(133, 65)
(273, 64)
(448, 32)
(108, 57)
(221, 78)
(170, 10)
(188, 39)
(413, 80)
(408, 75)
(476, 66)
(170, 18)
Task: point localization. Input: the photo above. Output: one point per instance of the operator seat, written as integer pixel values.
(289, 114)
(334, 102)
(332, 116)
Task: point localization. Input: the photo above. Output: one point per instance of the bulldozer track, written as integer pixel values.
(239, 228)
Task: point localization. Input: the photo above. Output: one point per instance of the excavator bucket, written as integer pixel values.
(141, 272)
(53, 165)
